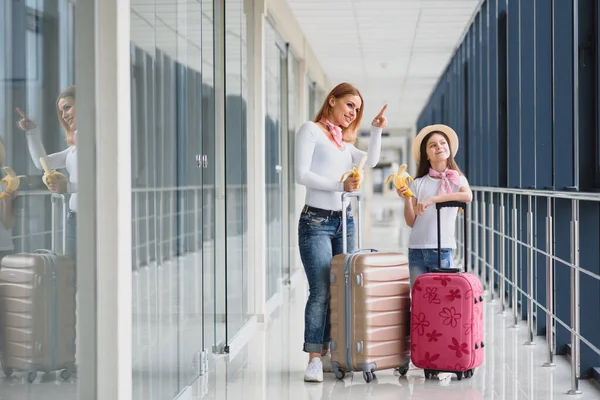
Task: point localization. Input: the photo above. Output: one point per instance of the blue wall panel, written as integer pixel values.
(514, 117)
(527, 122)
(543, 138)
(562, 25)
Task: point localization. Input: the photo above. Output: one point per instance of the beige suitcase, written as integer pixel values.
(37, 309)
(370, 311)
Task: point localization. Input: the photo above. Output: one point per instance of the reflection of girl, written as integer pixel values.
(66, 159)
(7, 216)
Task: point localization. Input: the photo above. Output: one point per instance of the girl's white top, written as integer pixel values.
(424, 231)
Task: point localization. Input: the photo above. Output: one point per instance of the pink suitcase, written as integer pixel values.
(447, 318)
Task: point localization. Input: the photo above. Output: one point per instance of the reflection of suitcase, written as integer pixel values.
(370, 310)
(37, 308)
(447, 318)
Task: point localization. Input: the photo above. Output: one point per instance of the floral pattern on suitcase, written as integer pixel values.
(447, 322)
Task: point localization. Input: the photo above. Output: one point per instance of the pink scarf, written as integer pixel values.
(448, 176)
(336, 131)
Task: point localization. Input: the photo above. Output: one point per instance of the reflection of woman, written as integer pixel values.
(7, 216)
(66, 159)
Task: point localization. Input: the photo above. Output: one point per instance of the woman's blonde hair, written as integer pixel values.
(70, 94)
(341, 90)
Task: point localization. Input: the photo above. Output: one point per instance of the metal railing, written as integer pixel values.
(485, 234)
(32, 229)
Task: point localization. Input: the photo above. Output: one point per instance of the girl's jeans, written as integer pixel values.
(421, 261)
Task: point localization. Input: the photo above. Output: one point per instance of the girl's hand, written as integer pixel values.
(402, 192)
(423, 205)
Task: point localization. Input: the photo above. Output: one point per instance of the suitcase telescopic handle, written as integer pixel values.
(451, 204)
(345, 197)
(62, 200)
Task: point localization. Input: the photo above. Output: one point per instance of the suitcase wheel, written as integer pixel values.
(339, 373)
(459, 376)
(369, 376)
(65, 374)
(31, 376)
(7, 371)
(430, 373)
(403, 370)
(469, 373)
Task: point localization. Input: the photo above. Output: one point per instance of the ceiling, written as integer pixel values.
(392, 50)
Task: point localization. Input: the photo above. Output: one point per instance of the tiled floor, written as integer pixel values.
(271, 366)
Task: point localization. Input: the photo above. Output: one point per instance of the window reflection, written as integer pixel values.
(38, 198)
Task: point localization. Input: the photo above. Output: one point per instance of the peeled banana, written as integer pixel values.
(356, 171)
(400, 179)
(50, 175)
(10, 182)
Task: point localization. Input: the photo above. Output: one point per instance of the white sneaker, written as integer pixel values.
(326, 361)
(314, 371)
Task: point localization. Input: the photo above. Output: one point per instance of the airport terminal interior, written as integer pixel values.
(166, 265)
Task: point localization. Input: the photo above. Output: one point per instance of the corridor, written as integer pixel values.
(271, 365)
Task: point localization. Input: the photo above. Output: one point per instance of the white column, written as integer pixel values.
(257, 260)
(302, 117)
(104, 199)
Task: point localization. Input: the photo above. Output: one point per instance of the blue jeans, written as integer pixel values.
(319, 239)
(421, 261)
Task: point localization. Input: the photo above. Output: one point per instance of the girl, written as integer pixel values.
(324, 151)
(438, 180)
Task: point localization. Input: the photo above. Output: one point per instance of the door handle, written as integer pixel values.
(201, 160)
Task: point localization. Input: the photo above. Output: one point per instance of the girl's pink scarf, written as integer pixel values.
(448, 176)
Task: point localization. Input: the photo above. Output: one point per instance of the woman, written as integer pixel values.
(439, 179)
(66, 159)
(324, 151)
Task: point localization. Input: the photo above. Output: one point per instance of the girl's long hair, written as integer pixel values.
(424, 164)
(341, 90)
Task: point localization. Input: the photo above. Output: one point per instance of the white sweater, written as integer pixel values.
(320, 164)
(66, 159)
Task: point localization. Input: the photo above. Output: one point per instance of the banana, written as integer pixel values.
(400, 179)
(356, 171)
(49, 174)
(10, 182)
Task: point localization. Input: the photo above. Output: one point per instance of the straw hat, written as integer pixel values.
(449, 132)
